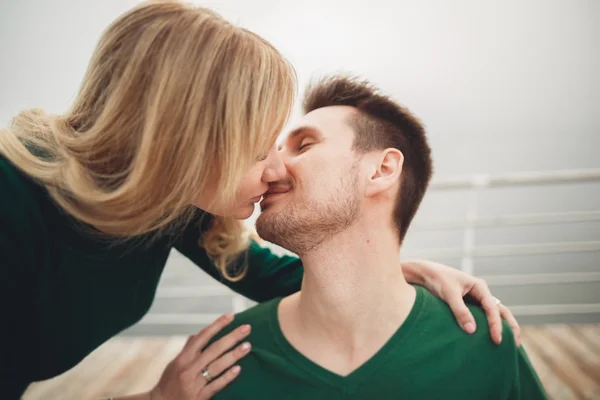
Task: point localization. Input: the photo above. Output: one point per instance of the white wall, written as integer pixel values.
(502, 85)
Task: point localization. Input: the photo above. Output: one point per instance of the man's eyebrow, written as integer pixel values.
(303, 129)
(297, 132)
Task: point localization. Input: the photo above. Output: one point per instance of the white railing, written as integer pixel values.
(478, 182)
(469, 224)
(517, 179)
(509, 220)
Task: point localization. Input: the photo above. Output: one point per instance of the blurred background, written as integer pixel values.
(510, 94)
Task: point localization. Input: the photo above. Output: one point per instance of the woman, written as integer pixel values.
(169, 143)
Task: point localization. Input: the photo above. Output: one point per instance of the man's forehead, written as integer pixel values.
(327, 120)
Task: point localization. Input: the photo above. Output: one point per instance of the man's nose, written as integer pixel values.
(275, 170)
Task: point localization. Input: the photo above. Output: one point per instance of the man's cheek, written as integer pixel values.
(311, 169)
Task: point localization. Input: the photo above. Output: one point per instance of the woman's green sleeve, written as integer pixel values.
(268, 275)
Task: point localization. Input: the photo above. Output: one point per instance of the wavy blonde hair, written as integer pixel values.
(175, 98)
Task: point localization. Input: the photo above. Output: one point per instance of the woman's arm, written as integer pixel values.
(268, 275)
(19, 252)
(17, 335)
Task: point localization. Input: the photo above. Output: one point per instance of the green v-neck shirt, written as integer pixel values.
(428, 357)
(64, 292)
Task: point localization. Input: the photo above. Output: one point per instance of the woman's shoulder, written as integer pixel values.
(19, 224)
(17, 190)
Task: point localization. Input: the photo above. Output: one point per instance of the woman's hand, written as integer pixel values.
(198, 373)
(451, 285)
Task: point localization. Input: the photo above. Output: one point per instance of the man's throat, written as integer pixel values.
(338, 341)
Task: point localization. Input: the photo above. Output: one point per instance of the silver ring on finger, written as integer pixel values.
(207, 375)
(497, 300)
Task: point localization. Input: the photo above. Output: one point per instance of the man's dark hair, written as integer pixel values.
(381, 123)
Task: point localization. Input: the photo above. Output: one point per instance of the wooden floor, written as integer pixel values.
(567, 359)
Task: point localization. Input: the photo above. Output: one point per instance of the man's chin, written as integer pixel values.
(267, 224)
(264, 217)
(263, 230)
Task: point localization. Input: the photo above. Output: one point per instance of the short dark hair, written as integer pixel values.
(381, 123)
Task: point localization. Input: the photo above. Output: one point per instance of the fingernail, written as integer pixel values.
(246, 346)
(469, 327)
(236, 370)
(229, 316)
(245, 328)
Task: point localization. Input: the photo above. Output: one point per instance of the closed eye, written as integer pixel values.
(304, 146)
(305, 143)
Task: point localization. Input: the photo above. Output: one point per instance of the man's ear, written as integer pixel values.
(387, 172)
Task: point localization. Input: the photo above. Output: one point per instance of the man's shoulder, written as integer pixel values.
(442, 314)
(260, 314)
(504, 365)
(438, 317)
(439, 350)
(259, 317)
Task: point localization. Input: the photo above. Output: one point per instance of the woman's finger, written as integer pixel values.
(460, 310)
(512, 322)
(228, 359)
(482, 294)
(215, 386)
(197, 342)
(216, 349)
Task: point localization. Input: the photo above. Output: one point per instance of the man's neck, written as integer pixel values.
(353, 298)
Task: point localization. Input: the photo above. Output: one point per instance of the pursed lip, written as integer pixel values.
(256, 199)
(277, 188)
(275, 191)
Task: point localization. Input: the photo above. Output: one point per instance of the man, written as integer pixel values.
(358, 167)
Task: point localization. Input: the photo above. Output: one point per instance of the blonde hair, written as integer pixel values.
(174, 99)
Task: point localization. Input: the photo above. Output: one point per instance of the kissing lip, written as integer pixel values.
(269, 196)
(277, 189)
(272, 194)
(258, 198)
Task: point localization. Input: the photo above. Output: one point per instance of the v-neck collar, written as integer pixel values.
(359, 375)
